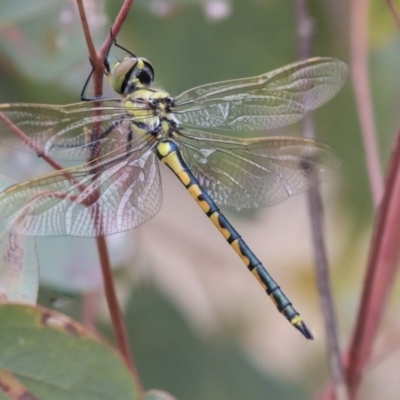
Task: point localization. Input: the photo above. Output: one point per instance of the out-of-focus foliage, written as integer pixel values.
(48, 33)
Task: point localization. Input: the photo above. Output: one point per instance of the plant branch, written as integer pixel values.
(119, 21)
(304, 38)
(86, 31)
(385, 250)
(97, 58)
(381, 271)
(108, 280)
(29, 142)
(113, 306)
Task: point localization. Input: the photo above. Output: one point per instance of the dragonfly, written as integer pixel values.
(118, 141)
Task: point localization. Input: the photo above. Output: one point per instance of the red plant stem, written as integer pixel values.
(86, 32)
(119, 21)
(385, 244)
(29, 142)
(108, 280)
(381, 271)
(359, 12)
(113, 306)
(384, 250)
(97, 58)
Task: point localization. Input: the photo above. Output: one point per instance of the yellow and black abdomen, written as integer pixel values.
(169, 153)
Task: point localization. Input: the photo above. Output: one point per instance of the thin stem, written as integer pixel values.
(86, 32)
(113, 306)
(304, 39)
(97, 58)
(96, 61)
(382, 261)
(108, 280)
(359, 12)
(29, 142)
(384, 250)
(119, 21)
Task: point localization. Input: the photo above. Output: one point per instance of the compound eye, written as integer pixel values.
(146, 74)
(131, 73)
(121, 73)
(155, 102)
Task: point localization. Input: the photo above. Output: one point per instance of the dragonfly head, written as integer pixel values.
(130, 74)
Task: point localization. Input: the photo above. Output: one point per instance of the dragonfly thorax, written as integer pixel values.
(152, 112)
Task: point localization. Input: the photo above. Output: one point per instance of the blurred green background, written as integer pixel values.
(199, 324)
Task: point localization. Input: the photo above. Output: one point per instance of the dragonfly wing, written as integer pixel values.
(252, 173)
(268, 101)
(68, 132)
(88, 200)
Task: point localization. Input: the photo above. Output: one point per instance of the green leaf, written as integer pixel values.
(54, 357)
(158, 395)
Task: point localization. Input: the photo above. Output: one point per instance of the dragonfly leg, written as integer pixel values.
(168, 152)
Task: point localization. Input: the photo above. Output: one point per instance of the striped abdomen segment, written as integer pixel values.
(168, 152)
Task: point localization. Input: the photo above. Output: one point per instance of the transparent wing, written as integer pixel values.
(70, 132)
(89, 200)
(268, 101)
(252, 173)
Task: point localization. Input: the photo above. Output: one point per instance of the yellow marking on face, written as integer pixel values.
(140, 63)
(297, 320)
(257, 276)
(195, 191)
